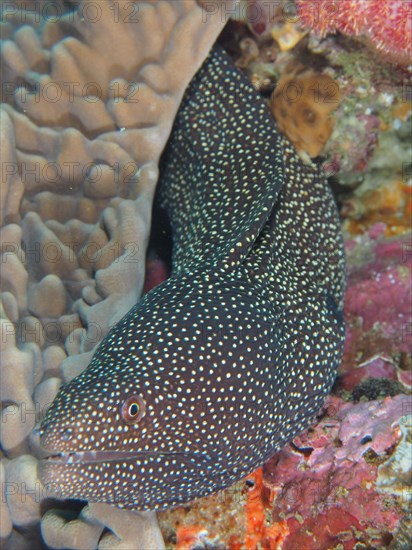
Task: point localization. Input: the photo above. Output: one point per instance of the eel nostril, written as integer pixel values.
(42, 429)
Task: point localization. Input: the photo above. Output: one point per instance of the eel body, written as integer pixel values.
(218, 367)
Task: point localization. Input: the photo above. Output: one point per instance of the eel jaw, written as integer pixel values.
(87, 457)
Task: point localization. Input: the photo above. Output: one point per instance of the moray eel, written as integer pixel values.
(214, 370)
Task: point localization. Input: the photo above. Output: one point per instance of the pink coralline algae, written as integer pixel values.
(325, 484)
(378, 311)
(346, 481)
(386, 24)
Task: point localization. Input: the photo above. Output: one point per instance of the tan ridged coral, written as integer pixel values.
(6, 524)
(89, 99)
(130, 530)
(302, 105)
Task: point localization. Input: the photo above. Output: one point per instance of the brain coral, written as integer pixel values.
(89, 95)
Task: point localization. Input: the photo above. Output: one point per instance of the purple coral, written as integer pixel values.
(378, 308)
(325, 484)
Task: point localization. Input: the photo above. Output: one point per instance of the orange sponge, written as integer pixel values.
(302, 106)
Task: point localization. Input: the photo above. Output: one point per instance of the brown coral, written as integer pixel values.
(302, 105)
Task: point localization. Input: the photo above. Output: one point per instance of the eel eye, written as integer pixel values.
(133, 409)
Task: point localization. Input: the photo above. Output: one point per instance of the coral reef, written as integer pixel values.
(378, 308)
(79, 159)
(332, 477)
(374, 114)
(127, 529)
(345, 481)
(385, 24)
(83, 127)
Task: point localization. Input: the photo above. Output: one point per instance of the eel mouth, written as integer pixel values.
(88, 457)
